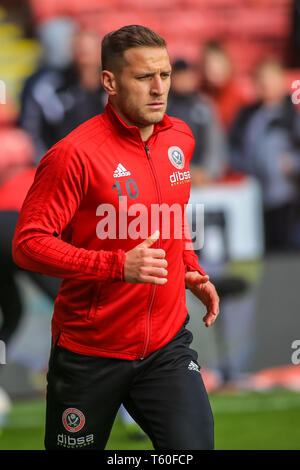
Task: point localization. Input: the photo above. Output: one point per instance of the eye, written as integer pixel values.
(144, 77)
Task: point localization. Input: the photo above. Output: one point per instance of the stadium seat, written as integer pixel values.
(154, 5)
(2, 14)
(9, 32)
(255, 23)
(247, 87)
(77, 7)
(192, 25)
(23, 51)
(187, 50)
(210, 4)
(47, 9)
(106, 21)
(16, 148)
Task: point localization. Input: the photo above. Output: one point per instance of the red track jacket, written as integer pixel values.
(62, 222)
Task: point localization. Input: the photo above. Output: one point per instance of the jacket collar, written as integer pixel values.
(132, 132)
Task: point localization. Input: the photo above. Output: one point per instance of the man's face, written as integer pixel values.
(271, 85)
(184, 81)
(217, 69)
(143, 85)
(87, 49)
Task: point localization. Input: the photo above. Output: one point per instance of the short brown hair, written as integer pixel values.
(115, 43)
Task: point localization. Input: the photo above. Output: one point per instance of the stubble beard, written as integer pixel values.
(138, 117)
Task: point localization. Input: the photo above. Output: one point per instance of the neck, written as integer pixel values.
(145, 131)
(273, 102)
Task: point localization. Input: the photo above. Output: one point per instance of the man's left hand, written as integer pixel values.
(205, 291)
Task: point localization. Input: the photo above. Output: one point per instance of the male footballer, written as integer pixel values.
(119, 324)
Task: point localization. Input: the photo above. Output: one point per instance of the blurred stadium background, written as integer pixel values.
(231, 57)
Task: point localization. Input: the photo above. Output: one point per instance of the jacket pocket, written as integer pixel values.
(95, 301)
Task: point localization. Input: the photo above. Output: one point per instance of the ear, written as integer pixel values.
(109, 82)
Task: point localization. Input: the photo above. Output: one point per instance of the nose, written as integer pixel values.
(156, 86)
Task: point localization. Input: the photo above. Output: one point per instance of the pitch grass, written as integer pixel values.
(256, 421)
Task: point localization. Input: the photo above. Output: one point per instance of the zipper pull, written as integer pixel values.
(147, 151)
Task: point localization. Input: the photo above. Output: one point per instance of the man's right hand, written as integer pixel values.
(144, 264)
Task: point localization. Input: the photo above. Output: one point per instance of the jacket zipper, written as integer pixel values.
(159, 245)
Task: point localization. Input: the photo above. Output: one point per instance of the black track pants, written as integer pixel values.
(164, 393)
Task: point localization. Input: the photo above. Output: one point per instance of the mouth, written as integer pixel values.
(155, 105)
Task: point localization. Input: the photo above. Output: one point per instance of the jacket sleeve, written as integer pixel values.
(190, 258)
(57, 191)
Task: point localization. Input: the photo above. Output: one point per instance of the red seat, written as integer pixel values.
(47, 9)
(79, 7)
(247, 87)
(256, 23)
(183, 50)
(191, 25)
(104, 22)
(153, 5)
(216, 4)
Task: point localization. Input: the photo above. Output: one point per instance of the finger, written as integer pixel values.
(198, 279)
(151, 271)
(150, 240)
(210, 318)
(156, 262)
(156, 253)
(203, 279)
(215, 307)
(212, 313)
(160, 281)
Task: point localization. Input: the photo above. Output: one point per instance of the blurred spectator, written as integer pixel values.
(209, 159)
(218, 82)
(16, 176)
(209, 163)
(11, 302)
(16, 146)
(56, 36)
(56, 101)
(265, 141)
(15, 155)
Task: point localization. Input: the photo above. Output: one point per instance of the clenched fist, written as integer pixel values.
(144, 264)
